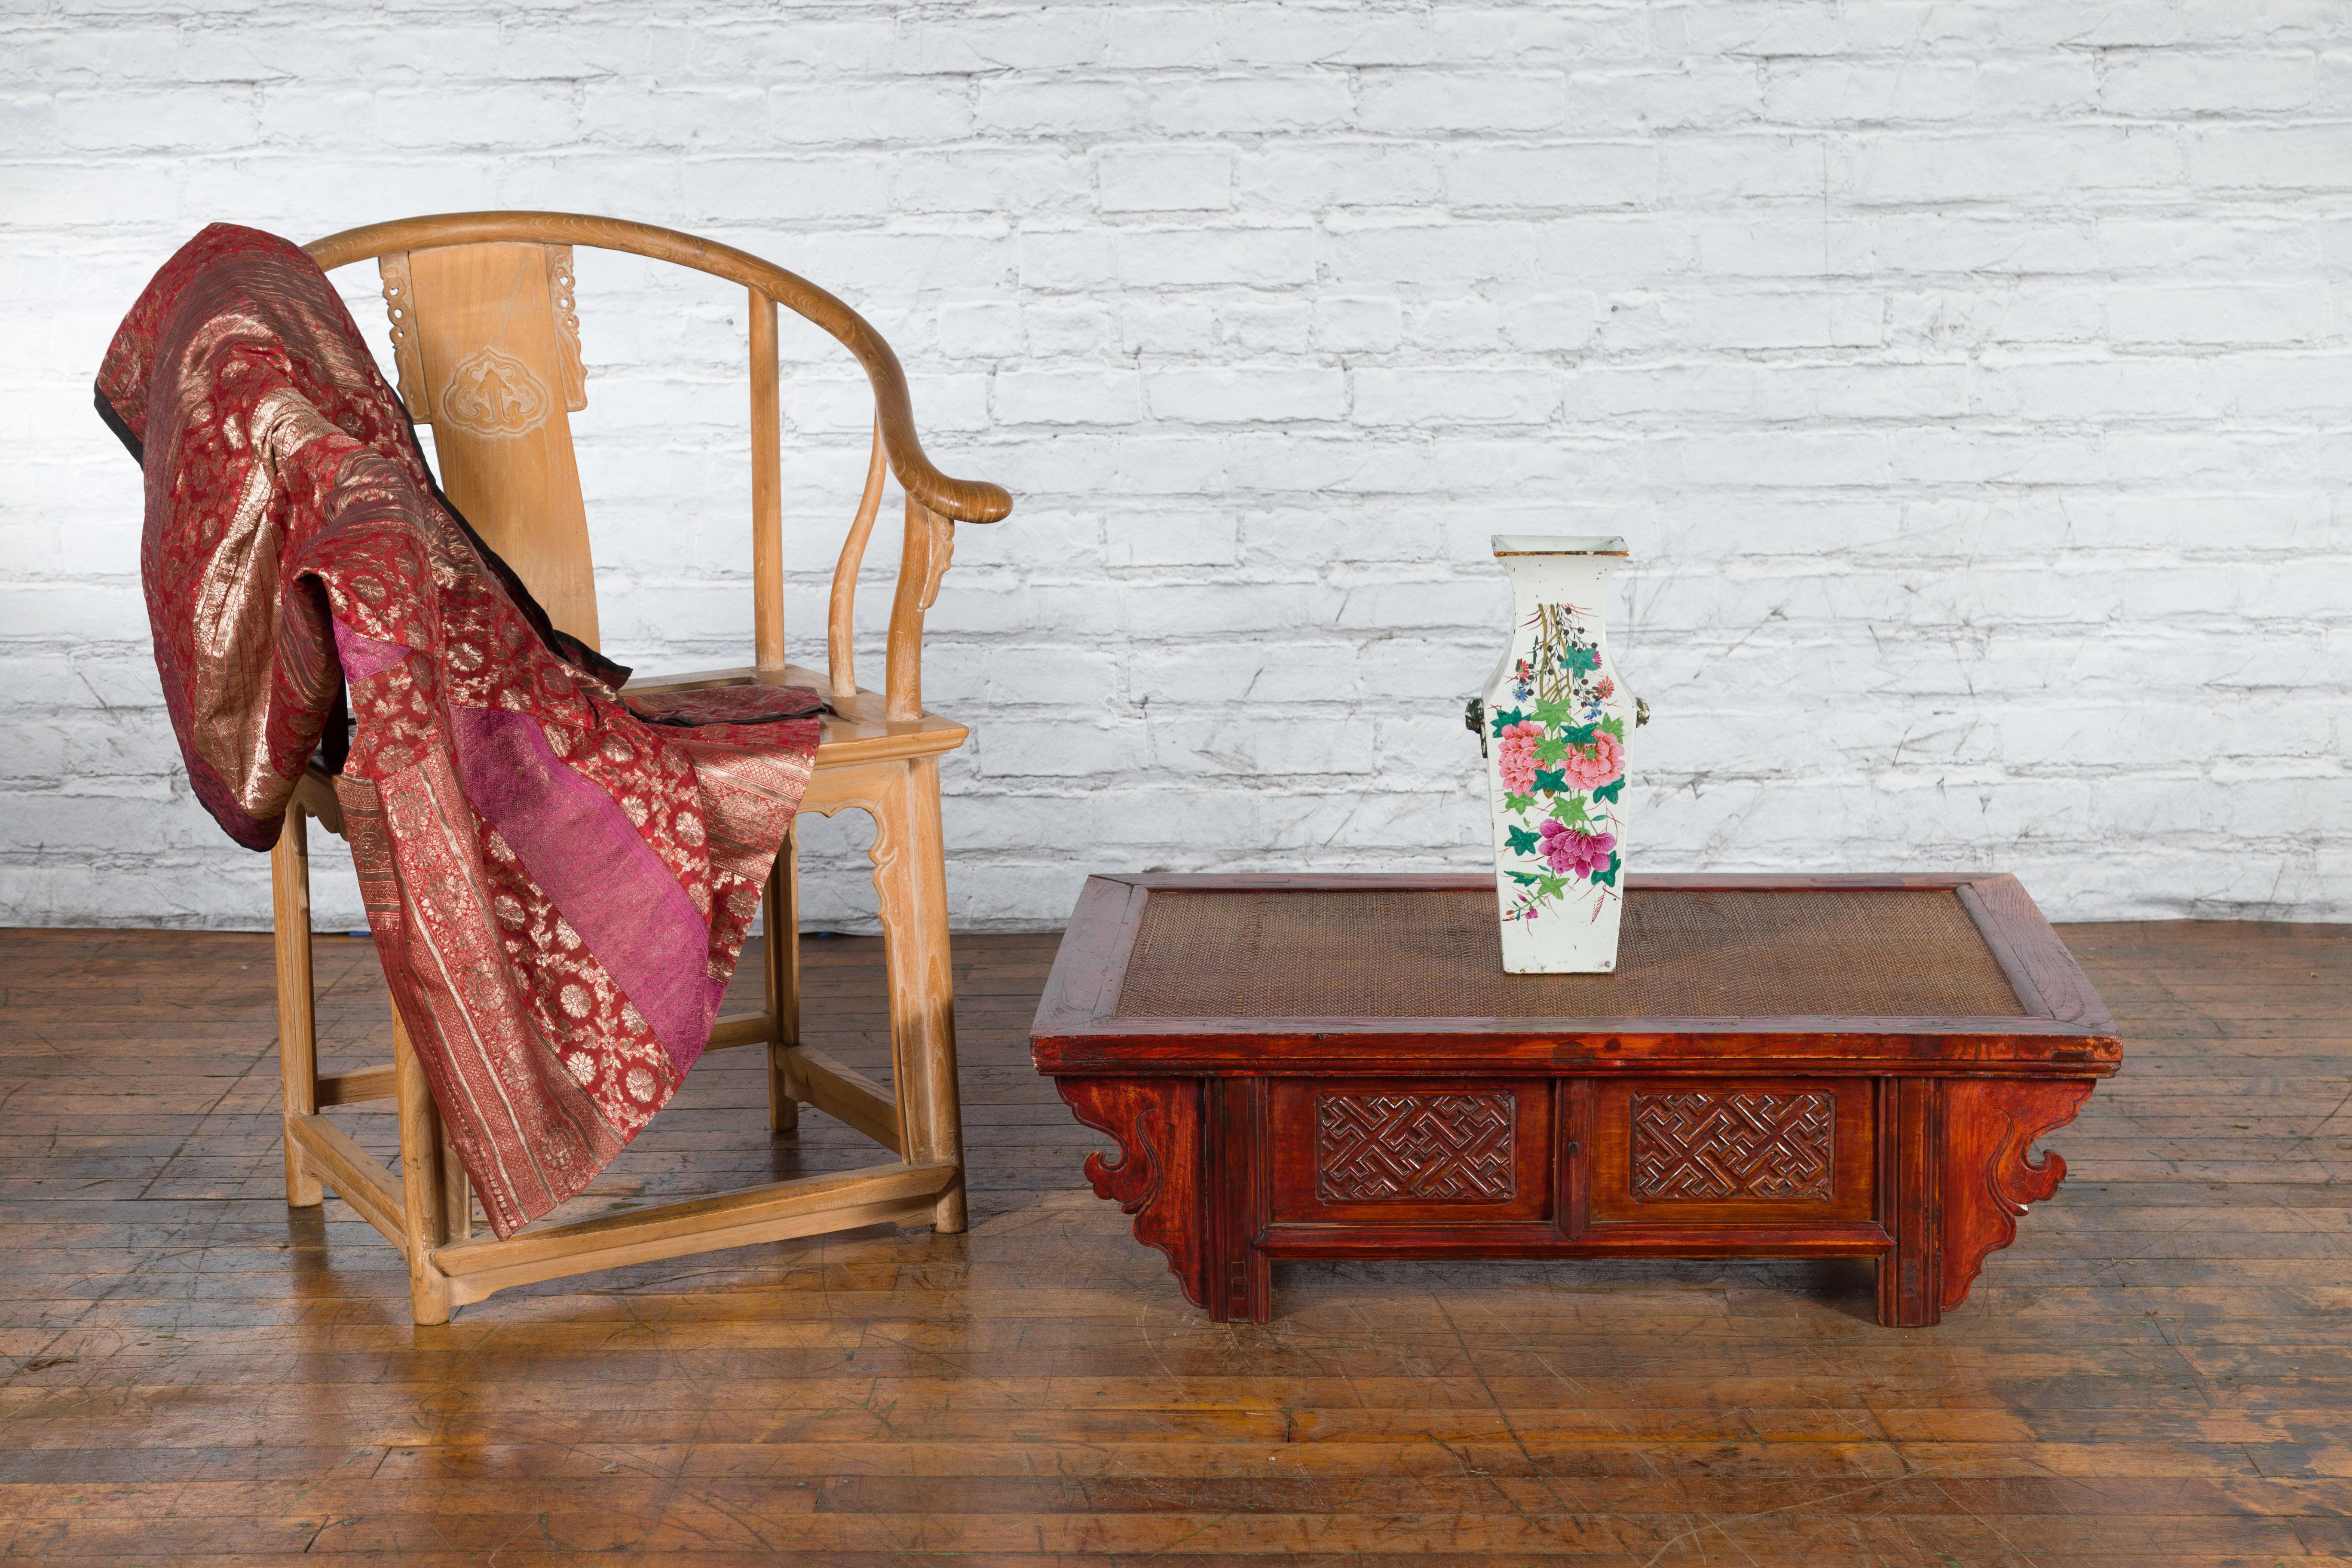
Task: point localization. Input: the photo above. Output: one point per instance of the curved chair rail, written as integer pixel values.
(967, 501)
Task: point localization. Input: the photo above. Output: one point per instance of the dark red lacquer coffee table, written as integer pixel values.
(1337, 1067)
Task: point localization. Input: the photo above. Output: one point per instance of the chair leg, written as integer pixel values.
(424, 1197)
(457, 1195)
(910, 875)
(298, 1034)
(782, 945)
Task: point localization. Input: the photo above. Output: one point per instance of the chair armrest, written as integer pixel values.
(968, 501)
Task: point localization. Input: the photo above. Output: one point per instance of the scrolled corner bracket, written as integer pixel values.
(1157, 1124)
(1990, 1173)
(1131, 1181)
(2023, 1180)
(407, 353)
(561, 293)
(1127, 1110)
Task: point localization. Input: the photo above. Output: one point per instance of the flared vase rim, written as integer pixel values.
(1506, 544)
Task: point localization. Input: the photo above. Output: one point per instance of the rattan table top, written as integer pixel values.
(1434, 952)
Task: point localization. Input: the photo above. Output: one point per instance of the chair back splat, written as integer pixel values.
(489, 351)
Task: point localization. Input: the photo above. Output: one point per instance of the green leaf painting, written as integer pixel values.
(1539, 745)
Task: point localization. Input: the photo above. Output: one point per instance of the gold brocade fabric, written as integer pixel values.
(558, 888)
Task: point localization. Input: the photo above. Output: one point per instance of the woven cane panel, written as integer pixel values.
(1437, 953)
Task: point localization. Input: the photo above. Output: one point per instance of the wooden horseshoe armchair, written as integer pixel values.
(487, 346)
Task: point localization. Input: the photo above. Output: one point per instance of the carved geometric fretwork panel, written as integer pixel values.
(1415, 1148)
(1706, 1148)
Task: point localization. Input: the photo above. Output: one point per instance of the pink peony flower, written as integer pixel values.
(1590, 767)
(1515, 756)
(1571, 852)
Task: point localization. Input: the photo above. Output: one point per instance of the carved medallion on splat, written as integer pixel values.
(493, 393)
(1704, 1147)
(1415, 1148)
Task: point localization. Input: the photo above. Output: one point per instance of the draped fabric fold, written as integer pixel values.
(559, 884)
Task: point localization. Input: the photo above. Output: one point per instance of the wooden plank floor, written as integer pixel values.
(2159, 1373)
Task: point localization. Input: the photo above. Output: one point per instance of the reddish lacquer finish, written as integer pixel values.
(1907, 1140)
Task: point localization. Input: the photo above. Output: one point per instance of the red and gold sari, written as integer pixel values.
(559, 884)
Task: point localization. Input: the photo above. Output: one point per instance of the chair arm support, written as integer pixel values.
(930, 543)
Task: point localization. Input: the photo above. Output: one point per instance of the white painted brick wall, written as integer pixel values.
(1969, 378)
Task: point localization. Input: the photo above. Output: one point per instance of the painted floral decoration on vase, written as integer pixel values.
(1561, 755)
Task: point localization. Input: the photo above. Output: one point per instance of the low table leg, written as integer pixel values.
(1909, 1276)
(1240, 1278)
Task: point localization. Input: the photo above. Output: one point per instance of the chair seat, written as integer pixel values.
(843, 740)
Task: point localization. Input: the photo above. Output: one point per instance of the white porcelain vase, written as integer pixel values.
(1555, 724)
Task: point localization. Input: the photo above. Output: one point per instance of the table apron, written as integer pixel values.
(1927, 1173)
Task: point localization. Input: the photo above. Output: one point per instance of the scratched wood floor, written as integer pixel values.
(2159, 1373)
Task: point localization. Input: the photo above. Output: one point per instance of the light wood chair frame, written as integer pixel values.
(878, 753)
